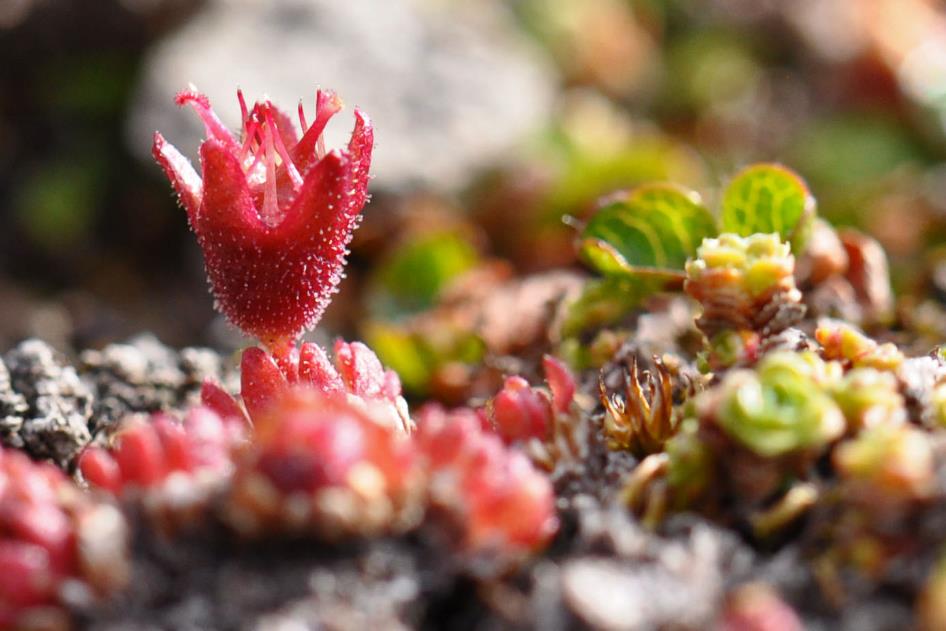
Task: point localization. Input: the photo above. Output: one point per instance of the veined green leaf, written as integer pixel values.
(769, 198)
(651, 232)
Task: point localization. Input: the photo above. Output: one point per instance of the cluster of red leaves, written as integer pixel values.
(54, 539)
(175, 465)
(499, 501)
(323, 462)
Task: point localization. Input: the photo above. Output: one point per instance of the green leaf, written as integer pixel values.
(400, 351)
(604, 301)
(651, 232)
(769, 198)
(417, 354)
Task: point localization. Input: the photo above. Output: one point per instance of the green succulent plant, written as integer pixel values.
(778, 408)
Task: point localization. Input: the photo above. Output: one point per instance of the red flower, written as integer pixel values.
(273, 212)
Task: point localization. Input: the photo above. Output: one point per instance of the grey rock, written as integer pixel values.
(13, 407)
(51, 409)
(58, 404)
(143, 375)
(449, 87)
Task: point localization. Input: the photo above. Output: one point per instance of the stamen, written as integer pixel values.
(283, 153)
(215, 128)
(244, 113)
(302, 117)
(249, 135)
(270, 212)
(257, 158)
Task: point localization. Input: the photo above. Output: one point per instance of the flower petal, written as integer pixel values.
(180, 171)
(227, 204)
(359, 150)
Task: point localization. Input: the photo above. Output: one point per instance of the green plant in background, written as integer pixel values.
(413, 275)
(769, 198)
(645, 238)
(425, 356)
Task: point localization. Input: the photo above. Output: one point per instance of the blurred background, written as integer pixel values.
(495, 120)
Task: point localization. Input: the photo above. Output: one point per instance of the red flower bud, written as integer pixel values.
(273, 212)
(520, 412)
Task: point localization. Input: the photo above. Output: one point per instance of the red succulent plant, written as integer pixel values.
(273, 212)
(500, 502)
(51, 536)
(356, 375)
(174, 467)
(324, 463)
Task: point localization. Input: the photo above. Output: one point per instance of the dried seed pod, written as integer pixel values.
(640, 419)
(744, 283)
